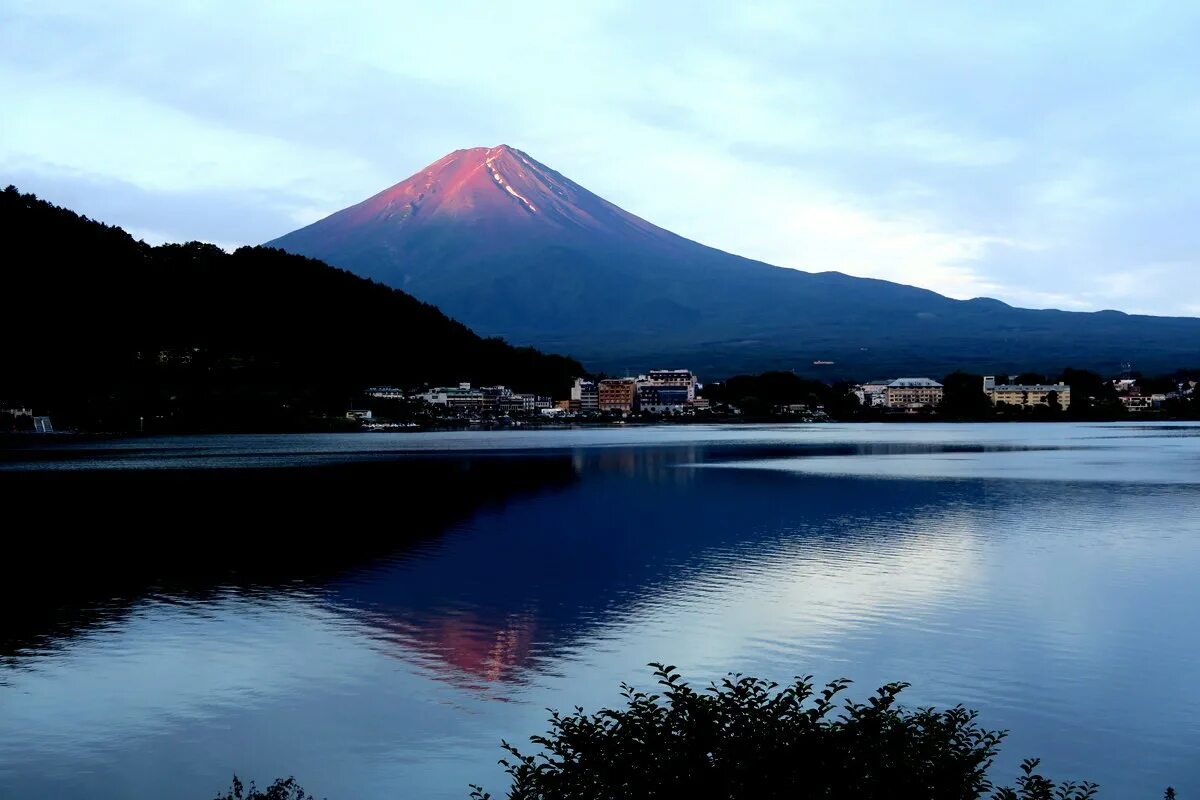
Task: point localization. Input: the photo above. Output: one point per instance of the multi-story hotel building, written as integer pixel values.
(617, 394)
(666, 391)
(671, 378)
(1026, 394)
(913, 392)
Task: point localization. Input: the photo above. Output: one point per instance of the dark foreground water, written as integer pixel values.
(373, 613)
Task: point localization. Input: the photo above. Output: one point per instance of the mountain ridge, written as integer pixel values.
(518, 250)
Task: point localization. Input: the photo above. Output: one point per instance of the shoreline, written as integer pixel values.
(29, 437)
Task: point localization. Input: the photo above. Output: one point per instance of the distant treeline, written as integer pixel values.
(104, 332)
(1092, 397)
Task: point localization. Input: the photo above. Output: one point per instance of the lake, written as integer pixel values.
(374, 613)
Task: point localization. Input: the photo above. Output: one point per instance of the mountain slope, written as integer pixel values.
(108, 329)
(516, 249)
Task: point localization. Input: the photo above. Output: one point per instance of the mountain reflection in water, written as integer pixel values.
(374, 614)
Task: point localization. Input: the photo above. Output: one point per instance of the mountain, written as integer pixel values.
(103, 331)
(514, 249)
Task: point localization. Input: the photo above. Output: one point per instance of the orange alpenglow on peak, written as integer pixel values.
(491, 187)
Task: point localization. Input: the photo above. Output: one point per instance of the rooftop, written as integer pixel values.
(1030, 387)
(914, 383)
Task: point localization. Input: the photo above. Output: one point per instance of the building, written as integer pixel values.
(913, 393)
(1130, 394)
(461, 397)
(464, 397)
(617, 394)
(585, 396)
(1027, 395)
(653, 399)
(1136, 401)
(672, 378)
(386, 393)
(362, 415)
(666, 391)
(512, 401)
(507, 403)
(872, 394)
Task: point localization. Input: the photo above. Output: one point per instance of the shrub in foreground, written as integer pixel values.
(750, 739)
(282, 789)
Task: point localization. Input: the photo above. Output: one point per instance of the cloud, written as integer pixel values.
(67, 126)
(216, 215)
(1036, 153)
(837, 236)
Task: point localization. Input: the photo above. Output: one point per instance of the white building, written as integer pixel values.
(462, 396)
(872, 394)
(666, 391)
(386, 393)
(585, 396)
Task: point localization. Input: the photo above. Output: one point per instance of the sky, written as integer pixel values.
(1045, 154)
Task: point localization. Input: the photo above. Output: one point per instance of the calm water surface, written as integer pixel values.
(1044, 574)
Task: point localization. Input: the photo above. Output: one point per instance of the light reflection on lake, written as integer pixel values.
(1044, 574)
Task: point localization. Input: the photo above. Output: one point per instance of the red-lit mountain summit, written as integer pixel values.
(493, 186)
(500, 190)
(514, 248)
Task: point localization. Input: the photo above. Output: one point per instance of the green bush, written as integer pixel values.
(750, 739)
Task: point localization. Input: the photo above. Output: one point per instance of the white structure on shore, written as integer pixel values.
(585, 395)
(872, 394)
(666, 391)
(466, 397)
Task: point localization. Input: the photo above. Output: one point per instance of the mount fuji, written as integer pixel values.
(513, 248)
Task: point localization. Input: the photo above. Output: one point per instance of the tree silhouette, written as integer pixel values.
(750, 739)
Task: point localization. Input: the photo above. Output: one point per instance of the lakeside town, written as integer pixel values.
(679, 395)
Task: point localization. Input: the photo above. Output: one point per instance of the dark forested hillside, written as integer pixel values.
(103, 331)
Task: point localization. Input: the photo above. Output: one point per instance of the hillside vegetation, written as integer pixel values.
(102, 331)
